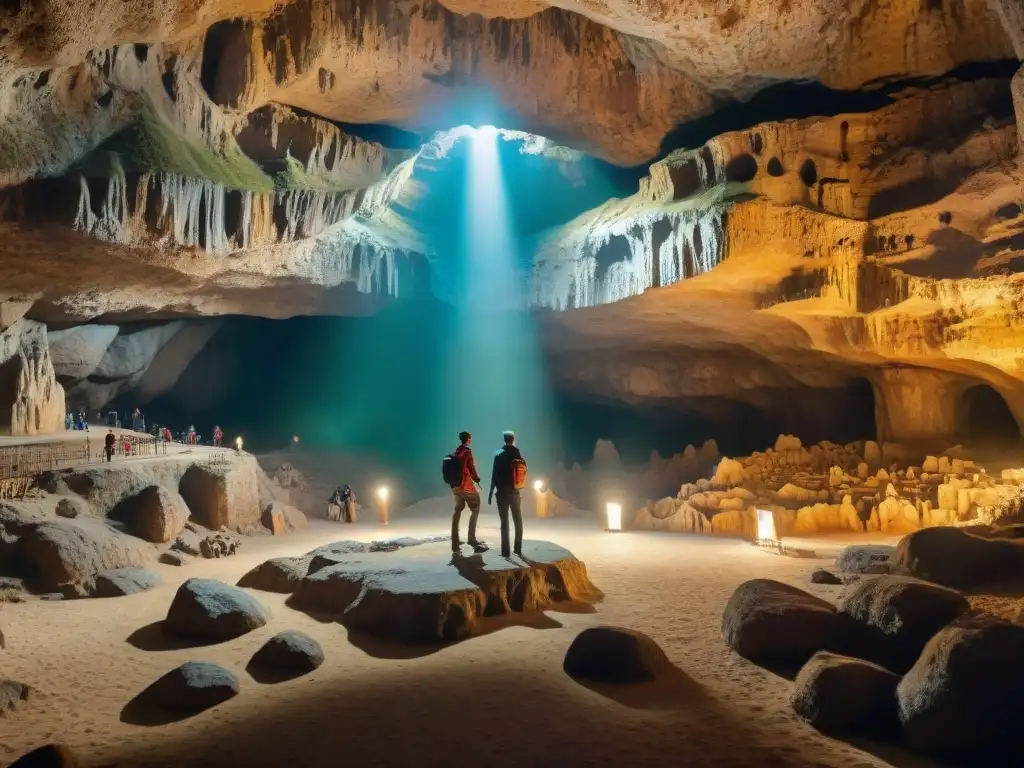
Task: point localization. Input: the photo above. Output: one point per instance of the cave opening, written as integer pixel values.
(986, 419)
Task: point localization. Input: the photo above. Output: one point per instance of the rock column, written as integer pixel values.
(1011, 12)
(915, 404)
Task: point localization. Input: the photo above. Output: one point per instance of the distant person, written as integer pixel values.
(335, 508)
(108, 444)
(508, 478)
(168, 437)
(459, 471)
(218, 436)
(192, 436)
(348, 503)
(69, 420)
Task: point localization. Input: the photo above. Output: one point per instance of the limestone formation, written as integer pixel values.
(419, 593)
(843, 696)
(889, 619)
(951, 703)
(614, 655)
(209, 610)
(32, 402)
(289, 651)
(12, 694)
(769, 622)
(193, 687)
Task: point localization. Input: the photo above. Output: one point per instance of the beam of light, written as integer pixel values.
(496, 377)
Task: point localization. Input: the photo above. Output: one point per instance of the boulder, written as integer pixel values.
(47, 756)
(224, 496)
(193, 687)
(825, 577)
(279, 574)
(290, 651)
(59, 552)
(154, 514)
(174, 557)
(124, 581)
(770, 622)
(889, 619)
(11, 695)
(280, 518)
(954, 558)
(865, 558)
(188, 542)
(956, 702)
(614, 655)
(71, 508)
(842, 696)
(219, 545)
(205, 609)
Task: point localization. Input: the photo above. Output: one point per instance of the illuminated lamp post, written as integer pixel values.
(238, 444)
(382, 503)
(613, 510)
(542, 498)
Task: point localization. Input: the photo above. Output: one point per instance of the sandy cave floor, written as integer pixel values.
(499, 699)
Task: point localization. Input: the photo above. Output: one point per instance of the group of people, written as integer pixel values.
(342, 504)
(508, 478)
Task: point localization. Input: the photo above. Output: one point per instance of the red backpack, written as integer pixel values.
(519, 473)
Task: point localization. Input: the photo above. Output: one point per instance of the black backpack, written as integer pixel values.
(451, 470)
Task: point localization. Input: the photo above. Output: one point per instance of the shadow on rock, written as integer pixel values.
(271, 675)
(152, 637)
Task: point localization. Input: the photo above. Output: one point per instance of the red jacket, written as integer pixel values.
(469, 474)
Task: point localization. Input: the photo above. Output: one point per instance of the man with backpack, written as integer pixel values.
(508, 478)
(459, 471)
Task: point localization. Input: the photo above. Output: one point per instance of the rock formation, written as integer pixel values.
(32, 402)
(832, 488)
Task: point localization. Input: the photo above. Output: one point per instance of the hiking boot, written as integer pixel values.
(478, 544)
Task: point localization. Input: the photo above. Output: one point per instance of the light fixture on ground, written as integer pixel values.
(542, 498)
(238, 443)
(383, 493)
(613, 510)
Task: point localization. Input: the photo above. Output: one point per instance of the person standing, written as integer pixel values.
(508, 478)
(108, 444)
(218, 436)
(459, 471)
(348, 503)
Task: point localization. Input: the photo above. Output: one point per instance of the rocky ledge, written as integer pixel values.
(420, 592)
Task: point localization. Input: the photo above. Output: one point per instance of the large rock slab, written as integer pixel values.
(769, 622)
(957, 701)
(206, 609)
(842, 696)
(155, 514)
(279, 574)
(59, 552)
(424, 594)
(890, 619)
(954, 558)
(191, 688)
(224, 496)
(614, 655)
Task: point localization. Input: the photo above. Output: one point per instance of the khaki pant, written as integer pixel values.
(465, 499)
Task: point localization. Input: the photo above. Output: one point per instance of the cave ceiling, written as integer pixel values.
(791, 193)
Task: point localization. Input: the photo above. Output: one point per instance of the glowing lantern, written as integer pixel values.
(382, 502)
(614, 512)
(538, 485)
(238, 443)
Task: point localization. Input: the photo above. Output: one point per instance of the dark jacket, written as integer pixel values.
(501, 473)
(469, 474)
(109, 440)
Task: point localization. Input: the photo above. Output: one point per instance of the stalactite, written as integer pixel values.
(566, 274)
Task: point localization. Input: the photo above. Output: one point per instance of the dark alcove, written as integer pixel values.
(986, 418)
